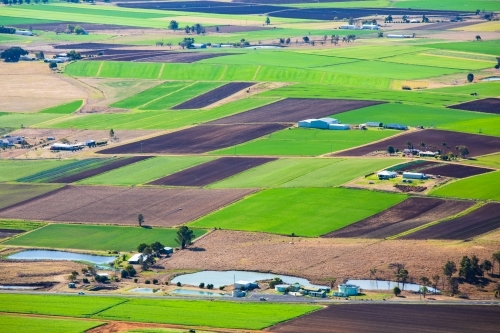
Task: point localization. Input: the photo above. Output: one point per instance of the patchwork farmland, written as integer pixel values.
(165, 136)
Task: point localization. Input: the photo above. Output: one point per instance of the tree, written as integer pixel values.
(141, 247)
(435, 281)
(184, 236)
(187, 42)
(402, 275)
(470, 77)
(380, 34)
(306, 39)
(454, 286)
(157, 247)
(140, 219)
(198, 28)
(73, 55)
(478, 38)
(71, 277)
(425, 282)
(40, 55)
(391, 150)
(422, 144)
(52, 65)
(487, 266)
(79, 30)
(469, 268)
(287, 41)
(173, 25)
(124, 274)
(449, 269)
(13, 54)
(268, 20)
(187, 29)
(464, 151)
(217, 29)
(70, 28)
(496, 258)
(408, 144)
(478, 11)
(396, 291)
(274, 282)
(202, 285)
(111, 133)
(425, 19)
(388, 19)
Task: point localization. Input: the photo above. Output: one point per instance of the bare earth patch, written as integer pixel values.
(23, 272)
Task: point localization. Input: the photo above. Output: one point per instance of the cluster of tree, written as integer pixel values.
(187, 42)
(173, 25)
(274, 282)
(209, 286)
(152, 249)
(197, 28)
(184, 237)
(73, 55)
(73, 276)
(268, 20)
(285, 41)
(13, 54)
(4, 30)
(129, 271)
(20, 2)
(70, 29)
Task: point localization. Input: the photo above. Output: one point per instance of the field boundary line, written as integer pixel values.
(223, 73)
(24, 233)
(109, 307)
(99, 70)
(173, 92)
(430, 224)
(161, 71)
(322, 77)
(256, 72)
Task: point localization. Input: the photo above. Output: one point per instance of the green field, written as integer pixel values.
(481, 187)
(469, 5)
(360, 52)
(145, 171)
(20, 225)
(486, 126)
(97, 238)
(306, 142)
(436, 61)
(484, 47)
(484, 89)
(275, 173)
(247, 315)
(11, 170)
(14, 193)
(492, 161)
(17, 120)
(15, 324)
(64, 108)
(307, 212)
(149, 95)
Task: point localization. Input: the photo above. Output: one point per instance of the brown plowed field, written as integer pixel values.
(105, 168)
(86, 26)
(90, 46)
(4, 233)
(417, 166)
(440, 26)
(154, 56)
(455, 170)
(13, 194)
(213, 96)
(478, 144)
(121, 205)
(292, 110)
(404, 216)
(212, 171)
(388, 318)
(478, 222)
(487, 105)
(196, 140)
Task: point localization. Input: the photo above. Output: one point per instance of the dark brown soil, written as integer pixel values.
(487, 105)
(292, 110)
(196, 140)
(455, 170)
(284, 2)
(477, 144)
(235, 28)
(89, 46)
(212, 171)
(440, 26)
(479, 221)
(62, 26)
(121, 205)
(404, 216)
(395, 318)
(213, 96)
(105, 168)
(152, 56)
(408, 188)
(4, 233)
(414, 167)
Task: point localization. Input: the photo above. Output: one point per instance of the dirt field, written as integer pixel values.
(153, 56)
(292, 110)
(213, 96)
(321, 258)
(5, 233)
(478, 144)
(31, 87)
(93, 172)
(487, 105)
(404, 216)
(455, 170)
(440, 26)
(25, 272)
(121, 205)
(86, 26)
(211, 172)
(479, 221)
(12, 194)
(89, 46)
(196, 140)
(388, 318)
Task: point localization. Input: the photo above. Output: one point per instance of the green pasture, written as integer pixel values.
(302, 90)
(17, 120)
(245, 315)
(305, 142)
(484, 47)
(20, 225)
(481, 187)
(4, 38)
(11, 170)
(469, 5)
(339, 173)
(157, 119)
(460, 55)
(483, 89)
(149, 95)
(346, 4)
(275, 173)
(11, 21)
(15, 324)
(145, 171)
(366, 52)
(492, 161)
(97, 238)
(305, 212)
(13, 193)
(64, 108)
(127, 69)
(484, 125)
(437, 61)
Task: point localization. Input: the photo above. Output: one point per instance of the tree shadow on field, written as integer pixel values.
(196, 249)
(146, 227)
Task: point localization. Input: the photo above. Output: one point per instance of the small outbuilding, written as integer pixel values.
(198, 46)
(396, 127)
(414, 175)
(349, 27)
(428, 154)
(337, 127)
(245, 285)
(348, 289)
(386, 174)
(168, 250)
(369, 27)
(282, 287)
(239, 293)
(374, 124)
(135, 259)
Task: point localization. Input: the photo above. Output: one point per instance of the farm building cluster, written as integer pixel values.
(384, 175)
(298, 290)
(323, 123)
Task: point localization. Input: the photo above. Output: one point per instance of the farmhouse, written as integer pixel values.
(281, 287)
(346, 290)
(245, 285)
(386, 175)
(136, 258)
(414, 175)
(428, 154)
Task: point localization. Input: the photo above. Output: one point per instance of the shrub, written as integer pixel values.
(124, 274)
(147, 282)
(396, 291)
(85, 280)
(178, 284)
(135, 280)
(202, 285)
(155, 281)
(222, 287)
(210, 286)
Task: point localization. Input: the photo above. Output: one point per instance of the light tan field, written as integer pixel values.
(32, 86)
(19, 272)
(323, 259)
(484, 26)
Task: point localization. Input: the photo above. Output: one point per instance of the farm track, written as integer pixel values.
(477, 144)
(477, 222)
(211, 172)
(196, 140)
(487, 105)
(213, 96)
(406, 215)
(121, 205)
(367, 318)
(292, 110)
